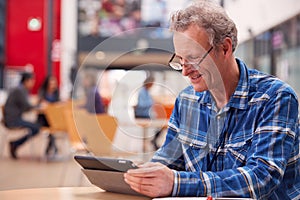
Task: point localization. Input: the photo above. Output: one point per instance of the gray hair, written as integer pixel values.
(209, 16)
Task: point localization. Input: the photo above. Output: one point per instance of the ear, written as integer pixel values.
(227, 47)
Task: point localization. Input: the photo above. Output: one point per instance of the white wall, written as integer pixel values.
(68, 44)
(260, 15)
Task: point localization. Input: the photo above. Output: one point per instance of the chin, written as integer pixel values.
(198, 88)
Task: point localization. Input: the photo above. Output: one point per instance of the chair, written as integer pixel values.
(159, 111)
(76, 142)
(54, 113)
(98, 132)
(108, 124)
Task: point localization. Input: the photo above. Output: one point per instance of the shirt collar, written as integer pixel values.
(239, 99)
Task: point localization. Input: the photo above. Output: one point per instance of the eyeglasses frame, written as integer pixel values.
(200, 61)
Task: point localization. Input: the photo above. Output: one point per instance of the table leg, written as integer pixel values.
(145, 140)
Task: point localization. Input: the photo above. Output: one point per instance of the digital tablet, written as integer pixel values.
(106, 164)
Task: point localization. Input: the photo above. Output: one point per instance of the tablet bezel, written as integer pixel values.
(104, 163)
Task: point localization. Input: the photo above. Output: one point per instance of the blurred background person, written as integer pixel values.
(93, 99)
(145, 102)
(48, 93)
(16, 105)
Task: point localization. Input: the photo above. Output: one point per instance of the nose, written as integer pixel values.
(186, 69)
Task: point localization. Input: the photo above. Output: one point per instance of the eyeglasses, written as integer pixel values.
(175, 63)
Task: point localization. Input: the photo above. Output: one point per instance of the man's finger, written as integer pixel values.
(145, 169)
(137, 180)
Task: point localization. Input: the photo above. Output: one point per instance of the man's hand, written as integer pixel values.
(151, 179)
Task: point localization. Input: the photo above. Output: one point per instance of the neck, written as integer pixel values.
(230, 78)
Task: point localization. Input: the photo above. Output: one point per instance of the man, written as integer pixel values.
(16, 104)
(234, 132)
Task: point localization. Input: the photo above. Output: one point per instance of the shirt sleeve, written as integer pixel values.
(272, 147)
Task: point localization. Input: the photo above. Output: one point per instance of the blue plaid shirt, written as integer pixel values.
(259, 154)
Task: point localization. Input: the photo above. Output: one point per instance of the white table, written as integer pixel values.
(150, 123)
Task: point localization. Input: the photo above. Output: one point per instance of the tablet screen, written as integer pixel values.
(107, 164)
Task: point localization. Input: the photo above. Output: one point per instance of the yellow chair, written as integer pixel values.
(108, 124)
(76, 142)
(98, 132)
(54, 113)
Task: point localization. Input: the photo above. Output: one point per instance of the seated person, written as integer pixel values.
(143, 109)
(145, 101)
(49, 90)
(48, 93)
(16, 104)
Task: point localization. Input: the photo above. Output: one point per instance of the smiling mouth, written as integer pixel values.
(195, 77)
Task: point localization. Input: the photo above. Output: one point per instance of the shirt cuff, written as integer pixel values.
(175, 185)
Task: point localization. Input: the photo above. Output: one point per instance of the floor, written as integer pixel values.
(31, 173)
(24, 173)
(32, 170)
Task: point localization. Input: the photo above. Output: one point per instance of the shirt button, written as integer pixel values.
(191, 144)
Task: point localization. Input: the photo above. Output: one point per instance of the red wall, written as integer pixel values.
(22, 46)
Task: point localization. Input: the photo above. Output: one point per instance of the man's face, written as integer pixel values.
(29, 83)
(191, 46)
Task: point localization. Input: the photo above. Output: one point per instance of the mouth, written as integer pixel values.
(195, 77)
